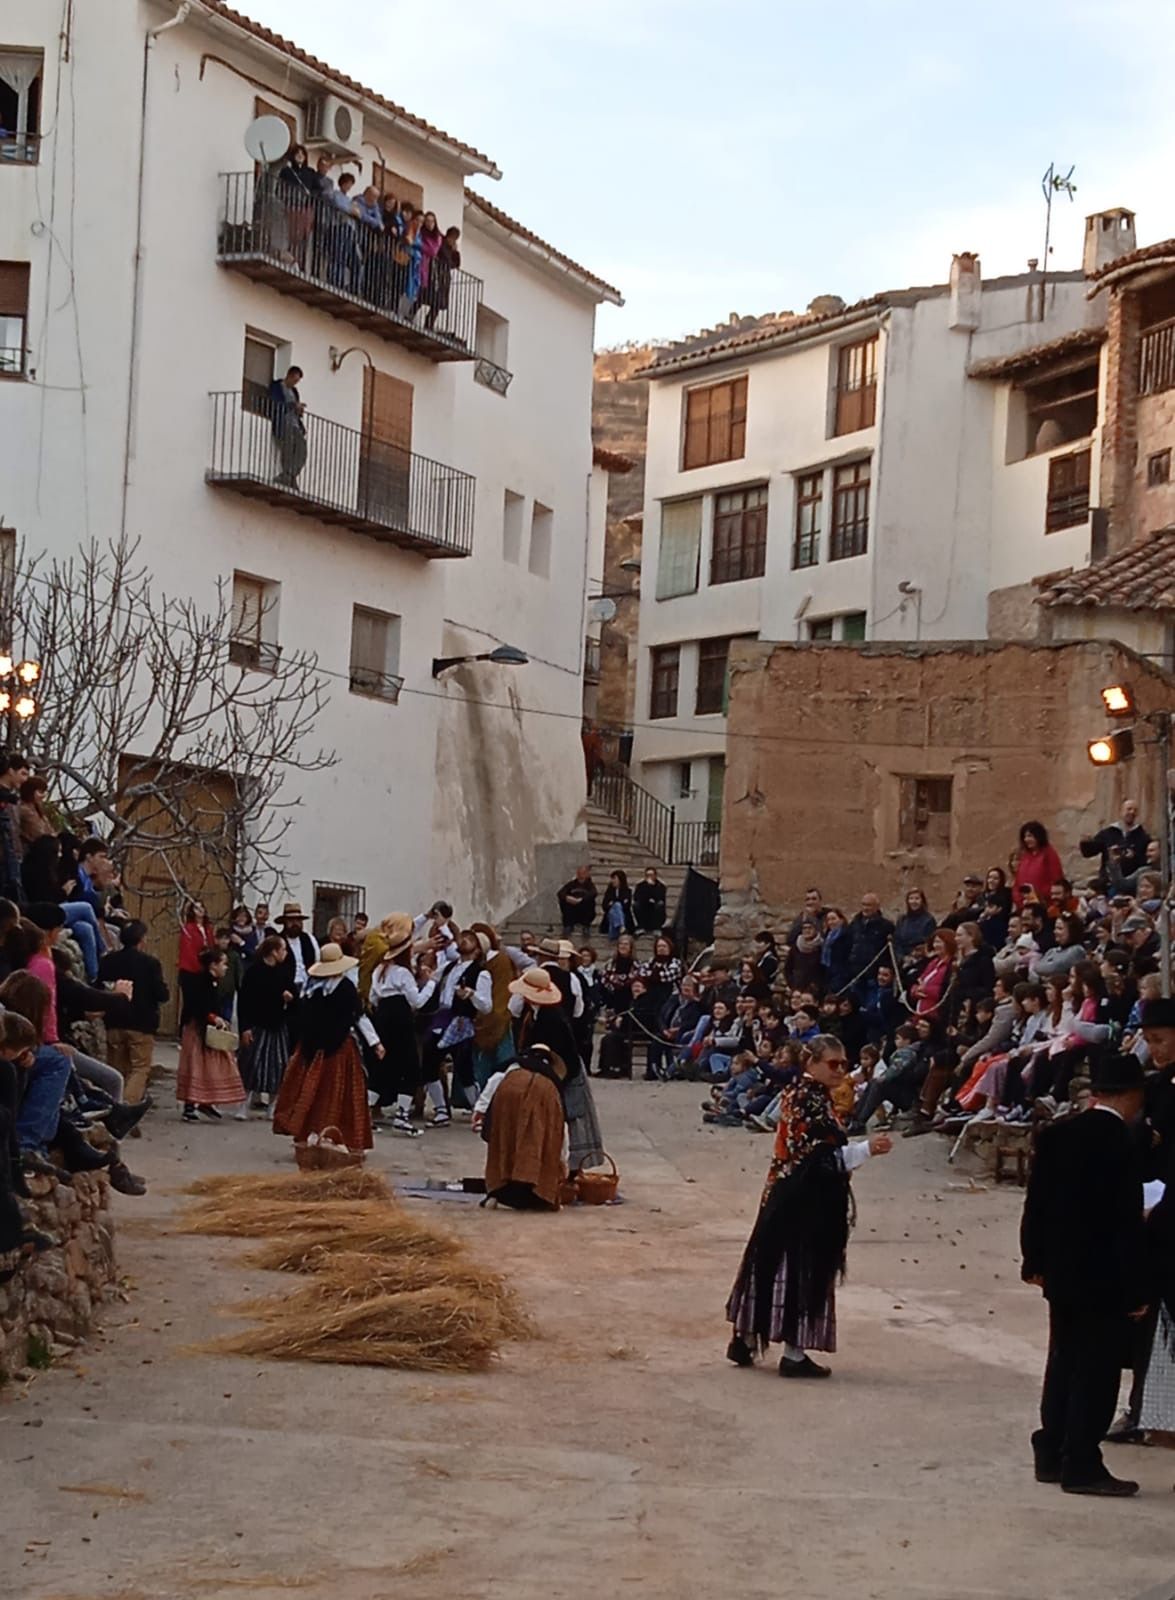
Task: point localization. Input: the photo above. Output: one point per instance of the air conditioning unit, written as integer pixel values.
(335, 124)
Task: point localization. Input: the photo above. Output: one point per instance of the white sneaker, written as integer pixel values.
(441, 1119)
(241, 1114)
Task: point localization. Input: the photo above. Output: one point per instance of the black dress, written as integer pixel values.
(261, 1012)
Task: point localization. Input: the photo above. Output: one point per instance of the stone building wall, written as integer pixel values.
(620, 411)
(821, 737)
(51, 1301)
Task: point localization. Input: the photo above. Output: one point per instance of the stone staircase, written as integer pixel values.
(610, 848)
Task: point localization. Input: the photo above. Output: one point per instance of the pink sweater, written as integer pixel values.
(41, 966)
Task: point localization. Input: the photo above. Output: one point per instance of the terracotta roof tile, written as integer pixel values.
(268, 36)
(611, 460)
(1135, 258)
(1038, 354)
(780, 331)
(495, 215)
(1141, 578)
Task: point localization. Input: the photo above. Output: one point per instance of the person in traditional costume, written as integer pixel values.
(539, 1004)
(262, 1005)
(396, 997)
(785, 1292)
(207, 1077)
(493, 1037)
(520, 1115)
(325, 1085)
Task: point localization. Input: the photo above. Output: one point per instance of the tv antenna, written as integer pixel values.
(267, 139)
(1052, 184)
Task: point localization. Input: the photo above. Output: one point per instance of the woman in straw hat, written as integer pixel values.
(521, 1117)
(325, 1086)
(538, 1001)
(395, 998)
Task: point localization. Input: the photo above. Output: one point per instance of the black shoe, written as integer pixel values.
(1046, 1473)
(650, 1077)
(1109, 1487)
(739, 1351)
(804, 1368)
(32, 1162)
(124, 1180)
(121, 1119)
(1125, 1431)
(210, 1112)
(190, 1114)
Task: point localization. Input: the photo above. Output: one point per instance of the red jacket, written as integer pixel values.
(1040, 869)
(194, 937)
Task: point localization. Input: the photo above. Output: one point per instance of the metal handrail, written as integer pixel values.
(310, 238)
(654, 824)
(258, 443)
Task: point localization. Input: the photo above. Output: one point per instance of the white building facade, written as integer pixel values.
(442, 509)
(876, 471)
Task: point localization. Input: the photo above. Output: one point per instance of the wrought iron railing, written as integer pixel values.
(378, 685)
(255, 655)
(318, 464)
(23, 149)
(12, 361)
(654, 824)
(311, 239)
(491, 375)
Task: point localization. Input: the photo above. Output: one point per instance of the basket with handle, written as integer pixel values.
(597, 1188)
(321, 1153)
(568, 1192)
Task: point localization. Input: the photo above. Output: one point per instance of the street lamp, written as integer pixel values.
(17, 703)
(1119, 701)
(505, 655)
(1113, 748)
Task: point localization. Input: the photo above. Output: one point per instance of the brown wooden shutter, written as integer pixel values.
(387, 181)
(697, 427)
(14, 288)
(738, 419)
(385, 462)
(262, 108)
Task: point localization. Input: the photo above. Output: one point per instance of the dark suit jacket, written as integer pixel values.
(1082, 1229)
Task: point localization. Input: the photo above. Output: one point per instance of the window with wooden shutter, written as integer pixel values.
(924, 813)
(680, 549)
(257, 374)
(666, 668)
(856, 386)
(740, 535)
(1068, 492)
(253, 641)
(850, 511)
(375, 653)
(14, 310)
(395, 184)
(715, 423)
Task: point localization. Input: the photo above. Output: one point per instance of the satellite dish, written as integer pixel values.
(602, 610)
(267, 139)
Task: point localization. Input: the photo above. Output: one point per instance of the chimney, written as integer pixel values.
(1108, 235)
(966, 291)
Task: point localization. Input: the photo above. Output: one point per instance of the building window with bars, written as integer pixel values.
(740, 535)
(715, 427)
(924, 818)
(680, 548)
(346, 900)
(20, 104)
(666, 670)
(1156, 358)
(1068, 491)
(809, 511)
(850, 511)
(713, 660)
(1158, 469)
(856, 386)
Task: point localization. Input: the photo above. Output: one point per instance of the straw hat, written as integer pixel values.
(490, 932)
(561, 949)
(483, 942)
(289, 910)
(398, 930)
(537, 985)
(332, 963)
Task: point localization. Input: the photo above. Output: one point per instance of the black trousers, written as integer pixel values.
(1087, 1347)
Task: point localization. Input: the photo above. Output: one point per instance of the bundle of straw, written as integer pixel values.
(345, 1183)
(393, 1235)
(436, 1329)
(335, 1219)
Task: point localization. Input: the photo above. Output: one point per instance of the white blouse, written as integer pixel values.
(390, 978)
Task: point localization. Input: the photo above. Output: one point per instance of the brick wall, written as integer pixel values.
(1119, 435)
(819, 738)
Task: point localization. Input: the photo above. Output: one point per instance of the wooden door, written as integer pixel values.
(385, 458)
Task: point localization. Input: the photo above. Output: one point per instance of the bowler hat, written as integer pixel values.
(1158, 1013)
(1116, 1075)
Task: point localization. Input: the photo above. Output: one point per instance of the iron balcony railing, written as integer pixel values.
(22, 149)
(376, 685)
(654, 824)
(308, 246)
(12, 361)
(338, 474)
(491, 376)
(255, 655)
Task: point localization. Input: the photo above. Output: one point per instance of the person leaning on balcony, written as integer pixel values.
(298, 188)
(345, 261)
(371, 248)
(289, 428)
(448, 259)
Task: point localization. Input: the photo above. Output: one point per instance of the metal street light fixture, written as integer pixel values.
(17, 705)
(1119, 701)
(505, 655)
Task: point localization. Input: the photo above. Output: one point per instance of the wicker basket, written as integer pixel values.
(568, 1192)
(320, 1153)
(597, 1188)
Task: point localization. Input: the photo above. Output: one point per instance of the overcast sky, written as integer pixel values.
(709, 158)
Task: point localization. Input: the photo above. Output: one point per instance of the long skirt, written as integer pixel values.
(583, 1125)
(796, 1249)
(1158, 1397)
(206, 1077)
(264, 1064)
(328, 1092)
(524, 1157)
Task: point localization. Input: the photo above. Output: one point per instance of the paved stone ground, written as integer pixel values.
(617, 1455)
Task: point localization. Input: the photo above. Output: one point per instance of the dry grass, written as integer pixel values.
(349, 1183)
(385, 1289)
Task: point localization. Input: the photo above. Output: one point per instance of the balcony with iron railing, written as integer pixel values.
(19, 149)
(305, 246)
(12, 361)
(338, 475)
(254, 655)
(376, 685)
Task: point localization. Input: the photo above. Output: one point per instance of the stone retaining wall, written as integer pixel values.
(52, 1299)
